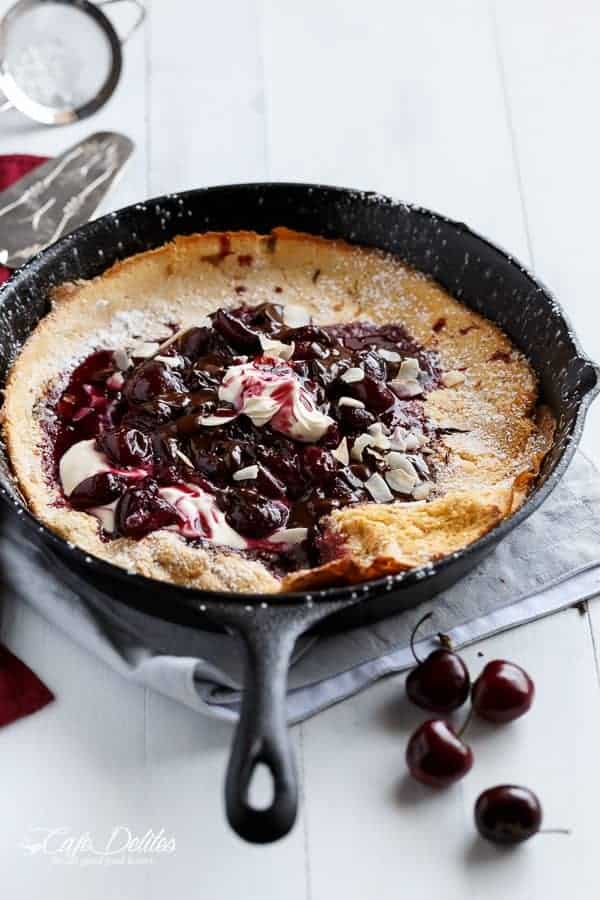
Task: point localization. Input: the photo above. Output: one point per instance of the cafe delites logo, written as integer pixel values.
(119, 846)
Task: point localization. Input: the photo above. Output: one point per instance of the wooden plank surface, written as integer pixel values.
(486, 113)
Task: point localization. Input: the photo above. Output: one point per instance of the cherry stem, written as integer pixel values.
(412, 637)
(555, 831)
(465, 724)
(445, 641)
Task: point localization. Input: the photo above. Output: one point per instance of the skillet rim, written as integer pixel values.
(197, 600)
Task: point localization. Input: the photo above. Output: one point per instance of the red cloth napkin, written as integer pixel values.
(21, 691)
(12, 168)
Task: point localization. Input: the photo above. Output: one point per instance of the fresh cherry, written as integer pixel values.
(503, 692)
(441, 682)
(508, 814)
(436, 755)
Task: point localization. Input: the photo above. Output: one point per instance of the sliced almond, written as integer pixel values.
(289, 536)
(378, 489)
(398, 438)
(454, 378)
(341, 452)
(175, 362)
(406, 388)
(144, 350)
(276, 348)
(183, 457)
(362, 441)
(400, 481)
(395, 459)
(202, 323)
(375, 439)
(401, 439)
(122, 360)
(421, 466)
(214, 421)
(353, 374)
(398, 461)
(248, 473)
(351, 401)
(410, 369)
(390, 355)
(423, 490)
(295, 316)
(379, 438)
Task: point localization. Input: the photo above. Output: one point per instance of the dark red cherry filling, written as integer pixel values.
(142, 510)
(126, 446)
(98, 490)
(236, 333)
(150, 380)
(148, 421)
(253, 515)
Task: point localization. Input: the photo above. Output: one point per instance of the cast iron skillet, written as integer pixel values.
(472, 269)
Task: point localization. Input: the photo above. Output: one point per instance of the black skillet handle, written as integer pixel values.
(262, 735)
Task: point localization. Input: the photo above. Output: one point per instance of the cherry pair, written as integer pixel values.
(441, 683)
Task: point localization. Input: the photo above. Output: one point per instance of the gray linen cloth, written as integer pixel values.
(549, 562)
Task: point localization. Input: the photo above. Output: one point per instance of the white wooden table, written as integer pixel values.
(486, 112)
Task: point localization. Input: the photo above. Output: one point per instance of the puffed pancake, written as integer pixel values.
(267, 413)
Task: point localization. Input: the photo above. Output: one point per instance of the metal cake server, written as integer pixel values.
(59, 195)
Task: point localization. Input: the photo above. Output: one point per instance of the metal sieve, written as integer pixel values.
(60, 60)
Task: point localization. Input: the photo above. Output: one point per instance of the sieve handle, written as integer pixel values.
(141, 15)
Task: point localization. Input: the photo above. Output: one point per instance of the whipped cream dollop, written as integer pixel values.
(81, 461)
(269, 391)
(200, 517)
(106, 515)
